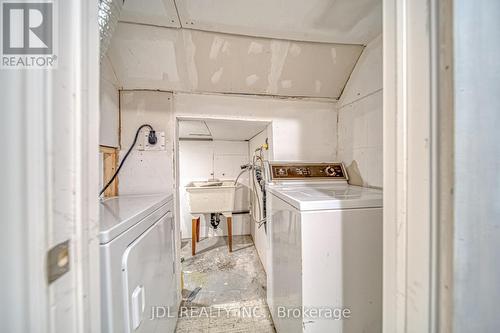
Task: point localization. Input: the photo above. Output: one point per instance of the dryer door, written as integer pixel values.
(146, 272)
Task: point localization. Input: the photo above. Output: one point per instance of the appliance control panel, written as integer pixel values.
(303, 171)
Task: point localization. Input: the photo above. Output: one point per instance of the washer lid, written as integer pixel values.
(118, 214)
(328, 196)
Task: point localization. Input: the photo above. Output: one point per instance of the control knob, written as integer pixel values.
(330, 171)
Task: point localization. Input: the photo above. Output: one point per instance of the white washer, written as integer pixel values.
(324, 251)
(137, 245)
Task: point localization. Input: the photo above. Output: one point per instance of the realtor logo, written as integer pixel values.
(28, 33)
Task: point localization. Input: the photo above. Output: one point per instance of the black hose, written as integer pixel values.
(126, 155)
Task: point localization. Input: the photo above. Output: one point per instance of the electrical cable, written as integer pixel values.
(253, 167)
(255, 192)
(152, 139)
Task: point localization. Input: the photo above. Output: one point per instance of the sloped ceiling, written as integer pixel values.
(162, 13)
(328, 21)
(147, 57)
(217, 49)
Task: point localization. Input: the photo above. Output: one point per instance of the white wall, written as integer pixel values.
(146, 172)
(476, 237)
(360, 119)
(109, 105)
(301, 130)
(197, 161)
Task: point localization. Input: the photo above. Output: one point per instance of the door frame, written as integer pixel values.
(418, 160)
(50, 182)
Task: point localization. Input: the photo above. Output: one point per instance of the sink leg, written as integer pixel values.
(230, 233)
(193, 236)
(198, 229)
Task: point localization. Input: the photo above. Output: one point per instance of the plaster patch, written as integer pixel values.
(334, 55)
(251, 79)
(216, 46)
(286, 83)
(171, 62)
(225, 47)
(217, 75)
(191, 64)
(138, 51)
(255, 48)
(317, 86)
(279, 52)
(295, 49)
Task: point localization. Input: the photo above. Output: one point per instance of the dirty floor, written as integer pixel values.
(223, 292)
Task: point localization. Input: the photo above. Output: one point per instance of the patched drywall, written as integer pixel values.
(146, 172)
(239, 64)
(148, 57)
(360, 144)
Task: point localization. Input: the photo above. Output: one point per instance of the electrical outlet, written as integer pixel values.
(160, 144)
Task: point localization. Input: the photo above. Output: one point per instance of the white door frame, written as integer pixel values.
(49, 127)
(417, 147)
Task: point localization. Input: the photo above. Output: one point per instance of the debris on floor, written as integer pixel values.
(224, 292)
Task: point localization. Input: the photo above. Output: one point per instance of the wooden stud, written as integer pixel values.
(198, 220)
(110, 164)
(193, 236)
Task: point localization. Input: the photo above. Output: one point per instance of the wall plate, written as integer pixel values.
(160, 144)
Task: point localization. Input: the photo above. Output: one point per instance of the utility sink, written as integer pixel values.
(211, 196)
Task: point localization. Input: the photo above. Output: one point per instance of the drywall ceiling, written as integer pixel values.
(329, 21)
(148, 57)
(194, 129)
(154, 12)
(230, 130)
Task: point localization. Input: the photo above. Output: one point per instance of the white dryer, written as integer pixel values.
(324, 251)
(137, 245)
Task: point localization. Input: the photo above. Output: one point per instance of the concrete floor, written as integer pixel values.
(232, 297)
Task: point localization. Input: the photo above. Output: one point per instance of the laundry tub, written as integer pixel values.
(207, 197)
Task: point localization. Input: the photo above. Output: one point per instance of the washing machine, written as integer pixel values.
(138, 262)
(324, 250)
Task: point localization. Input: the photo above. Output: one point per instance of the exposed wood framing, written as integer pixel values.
(110, 163)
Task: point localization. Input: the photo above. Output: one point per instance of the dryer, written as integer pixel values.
(324, 250)
(138, 263)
